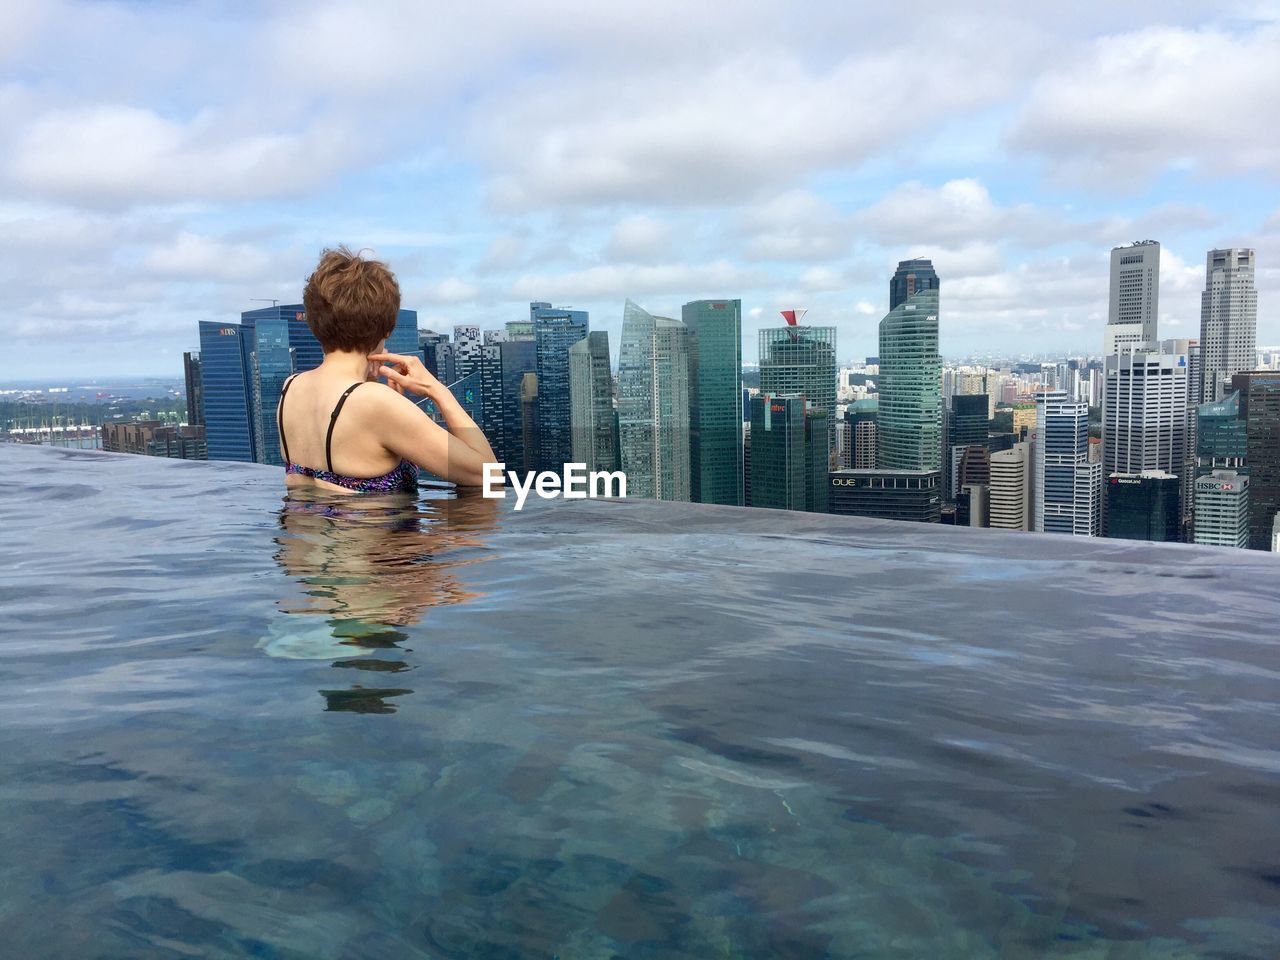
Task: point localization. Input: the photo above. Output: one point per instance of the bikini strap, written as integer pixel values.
(333, 418)
(284, 446)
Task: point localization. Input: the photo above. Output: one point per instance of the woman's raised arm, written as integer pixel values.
(458, 454)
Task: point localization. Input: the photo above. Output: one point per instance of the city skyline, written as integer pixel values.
(149, 186)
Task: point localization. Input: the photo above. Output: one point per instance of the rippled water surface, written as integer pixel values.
(234, 726)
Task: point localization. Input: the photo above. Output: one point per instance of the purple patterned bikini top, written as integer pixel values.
(402, 478)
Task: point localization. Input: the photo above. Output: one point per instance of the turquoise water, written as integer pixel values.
(232, 726)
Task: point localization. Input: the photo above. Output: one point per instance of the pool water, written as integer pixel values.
(237, 726)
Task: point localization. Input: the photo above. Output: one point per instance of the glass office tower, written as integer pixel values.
(1221, 440)
(270, 365)
(653, 405)
(555, 330)
(778, 452)
(910, 423)
(715, 431)
(1068, 483)
(1143, 506)
(226, 383)
(404, 338)
(594, 426)
(800, 361)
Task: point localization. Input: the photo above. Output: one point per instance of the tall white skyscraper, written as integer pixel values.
(1068, 486)
(1228, 319)
(1144, 413)
(1134, 307)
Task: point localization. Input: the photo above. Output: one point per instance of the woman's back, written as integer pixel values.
(328, 433)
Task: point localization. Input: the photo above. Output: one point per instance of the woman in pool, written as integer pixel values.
(368, 440)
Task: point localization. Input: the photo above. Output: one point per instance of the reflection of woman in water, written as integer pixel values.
(380, 561)
(365, 567)
(370, 440)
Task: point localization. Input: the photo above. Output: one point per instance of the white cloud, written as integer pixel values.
(722, 130)
(690, 281)
(638, 238)
(1136, 105)
(817, 279)
(954, 214)
(117, 155)
(795, 225)
(198, 258)
(447, 291)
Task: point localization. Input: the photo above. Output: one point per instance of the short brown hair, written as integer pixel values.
(351, 302)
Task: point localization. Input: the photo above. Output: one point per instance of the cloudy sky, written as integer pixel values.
(164, 163)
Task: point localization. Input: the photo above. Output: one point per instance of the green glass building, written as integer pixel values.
(1221, 441)
(592, 421)
(715, 399)
(801, 361)
(653, 405)
(910, 423)
(788, 454)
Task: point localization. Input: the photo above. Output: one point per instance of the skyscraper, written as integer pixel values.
(555, 330)
(404, 338)
(1067, 481)
(529, 420)
(1222, 509)
(864, 436)
(910, 422)
(1144, 506)
(911, 277)
(594, 427)
(968, 426)
(653, 405)
(515, 359)
(715, 431)
(1228, 319)
(1260, 410)
(467, 347)
(800, 360)
(1134, 307)
(1144, 417)
(777, 452)
(195, 389)
(1009, 502)
(1221, 437)
(270, 365)
(226, 383)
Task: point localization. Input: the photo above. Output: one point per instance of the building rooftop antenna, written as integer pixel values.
(264, 300)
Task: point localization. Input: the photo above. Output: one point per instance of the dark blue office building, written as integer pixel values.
(555, 330)
(227, 388)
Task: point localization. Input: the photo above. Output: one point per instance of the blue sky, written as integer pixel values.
(162, 164)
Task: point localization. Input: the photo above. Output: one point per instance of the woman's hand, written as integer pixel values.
(407, 373)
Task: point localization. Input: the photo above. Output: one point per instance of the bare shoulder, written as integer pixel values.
(381, 399)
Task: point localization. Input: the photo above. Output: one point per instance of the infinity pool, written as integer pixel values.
(232, 726)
